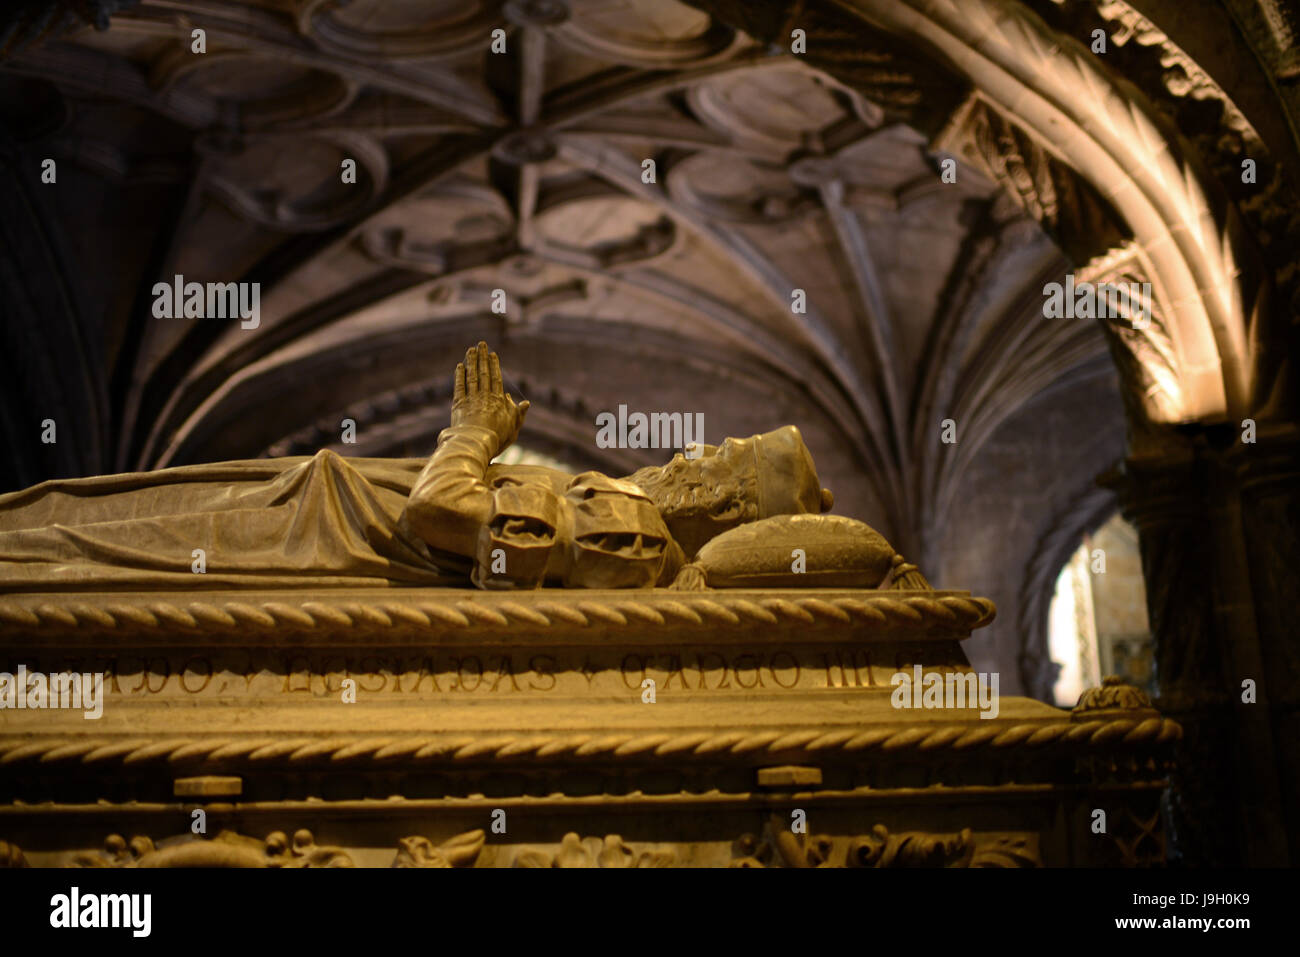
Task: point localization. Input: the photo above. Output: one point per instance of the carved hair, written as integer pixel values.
(694, 511)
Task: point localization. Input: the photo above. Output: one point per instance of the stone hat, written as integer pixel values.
(787, 478)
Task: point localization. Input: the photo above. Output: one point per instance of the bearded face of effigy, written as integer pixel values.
(739, 481)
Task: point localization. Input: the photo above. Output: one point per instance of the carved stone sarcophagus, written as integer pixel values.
(459, 727)
(727, 676)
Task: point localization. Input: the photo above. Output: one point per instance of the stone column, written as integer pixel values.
(1268, 475)
(1217, 522)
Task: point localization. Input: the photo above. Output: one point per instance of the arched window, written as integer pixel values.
(1097, 622)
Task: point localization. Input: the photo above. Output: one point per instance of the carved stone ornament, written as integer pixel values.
(1113, 695)
(11, 855)
(780, 846)
(1067, 207)
(594, 852)
(230, 849)
(227, 849)
(459, 851)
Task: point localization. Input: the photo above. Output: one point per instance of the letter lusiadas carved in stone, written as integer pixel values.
(746, 513)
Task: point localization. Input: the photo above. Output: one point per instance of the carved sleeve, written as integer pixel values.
(450, 501)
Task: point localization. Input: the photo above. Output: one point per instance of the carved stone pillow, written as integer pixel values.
(810, 551)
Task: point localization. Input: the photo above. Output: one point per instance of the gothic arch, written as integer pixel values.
(1188, 240)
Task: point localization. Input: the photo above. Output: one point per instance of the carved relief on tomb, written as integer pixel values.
(459, 851)
(779, 846)
(227, 849)
(1114, 694)
(11, 855)
(611, 851)
(1140, 839)
(276, 850)
(776, 846)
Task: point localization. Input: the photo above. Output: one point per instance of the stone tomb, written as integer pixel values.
(449, 727)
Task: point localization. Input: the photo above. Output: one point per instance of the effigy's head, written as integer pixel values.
(739, 481)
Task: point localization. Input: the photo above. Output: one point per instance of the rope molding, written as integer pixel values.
(1143, 732)
(118, 613)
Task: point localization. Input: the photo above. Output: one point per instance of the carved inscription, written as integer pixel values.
(262, 671)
